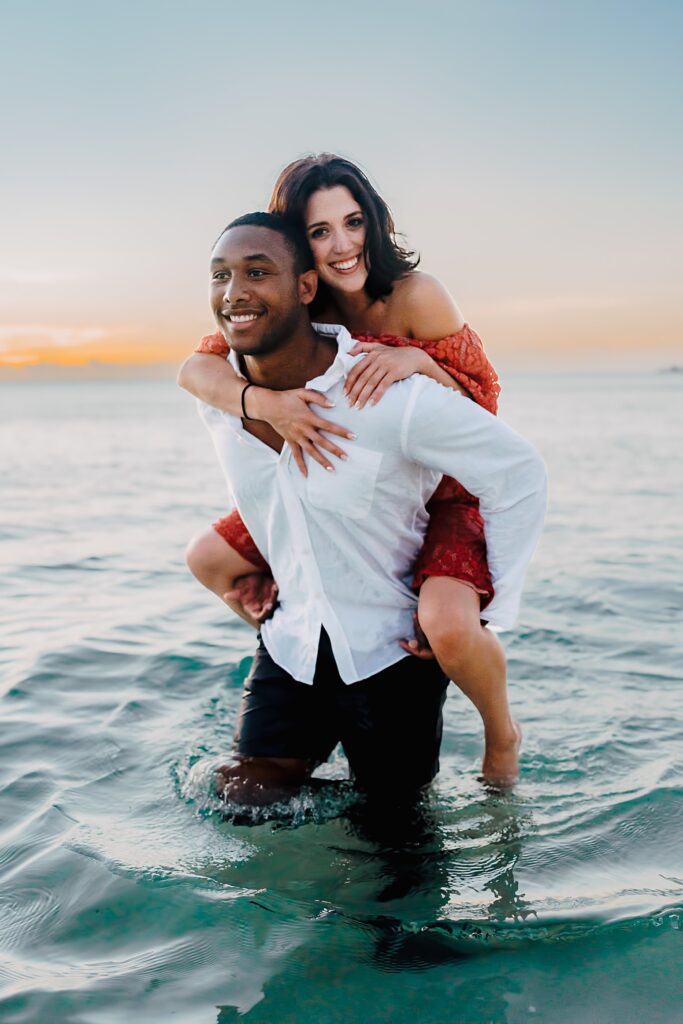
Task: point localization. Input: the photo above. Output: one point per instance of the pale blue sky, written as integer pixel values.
(531, 152)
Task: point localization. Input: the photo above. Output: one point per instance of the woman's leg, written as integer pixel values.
(217, 566)
(472, 656)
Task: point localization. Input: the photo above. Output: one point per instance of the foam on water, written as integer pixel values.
(128, 889)
(197, 786)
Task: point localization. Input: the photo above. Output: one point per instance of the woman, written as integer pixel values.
(405, 322)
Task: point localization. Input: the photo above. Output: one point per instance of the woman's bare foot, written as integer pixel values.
(500, 766)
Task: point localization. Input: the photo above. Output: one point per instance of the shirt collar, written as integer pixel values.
(336, 371)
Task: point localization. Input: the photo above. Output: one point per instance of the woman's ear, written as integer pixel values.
(308, 286)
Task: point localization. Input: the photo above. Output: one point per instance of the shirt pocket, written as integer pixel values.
(350, 489)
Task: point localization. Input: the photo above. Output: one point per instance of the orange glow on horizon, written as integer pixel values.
(121, 355)
(542, 339)
(78, 347)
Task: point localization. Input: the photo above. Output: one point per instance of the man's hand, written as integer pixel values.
(257, 593)
(419, 645)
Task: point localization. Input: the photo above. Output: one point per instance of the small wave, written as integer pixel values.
(26, 914)
(419, 946)
(320, 802)
(28, 975)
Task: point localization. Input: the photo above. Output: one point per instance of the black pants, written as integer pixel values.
(389, 725)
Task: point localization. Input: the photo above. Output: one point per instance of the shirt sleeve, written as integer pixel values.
(213, 344)
(449, 434)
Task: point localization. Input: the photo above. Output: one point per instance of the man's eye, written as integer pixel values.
(220, 275)
(257, 273)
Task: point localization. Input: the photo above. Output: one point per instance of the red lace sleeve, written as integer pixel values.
(213, 344)
(462, 356)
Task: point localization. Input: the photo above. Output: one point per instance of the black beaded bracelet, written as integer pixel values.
(244, 391)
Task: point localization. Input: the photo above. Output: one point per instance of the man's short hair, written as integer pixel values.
(296, 239)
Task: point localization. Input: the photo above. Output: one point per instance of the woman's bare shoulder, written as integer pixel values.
(426, 307)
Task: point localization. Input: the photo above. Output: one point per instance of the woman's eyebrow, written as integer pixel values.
(324, 223)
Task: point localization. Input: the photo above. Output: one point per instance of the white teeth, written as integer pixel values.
(235, 319)
(346, 265)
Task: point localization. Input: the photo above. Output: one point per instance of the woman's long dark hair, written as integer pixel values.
(385, 259)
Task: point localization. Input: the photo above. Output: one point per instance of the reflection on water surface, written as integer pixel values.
(124, 893)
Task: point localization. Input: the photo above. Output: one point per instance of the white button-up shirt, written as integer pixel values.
(342, 545)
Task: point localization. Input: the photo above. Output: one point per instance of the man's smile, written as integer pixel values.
(242, 316)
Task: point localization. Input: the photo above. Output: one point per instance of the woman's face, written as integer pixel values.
(335, 228)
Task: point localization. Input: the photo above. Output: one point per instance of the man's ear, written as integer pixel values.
(308, 286)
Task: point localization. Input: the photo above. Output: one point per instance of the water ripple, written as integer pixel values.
(128, 890)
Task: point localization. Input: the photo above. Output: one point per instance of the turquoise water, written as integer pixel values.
(124, 896)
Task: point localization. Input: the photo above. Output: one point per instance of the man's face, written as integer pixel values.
(254, 289)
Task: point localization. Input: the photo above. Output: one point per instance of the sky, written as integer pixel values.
(531, 152)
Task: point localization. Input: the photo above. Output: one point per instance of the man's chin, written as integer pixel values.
(243, 342)
(246, 347)
(239, 339)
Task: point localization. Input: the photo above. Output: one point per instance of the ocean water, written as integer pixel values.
(125, 896)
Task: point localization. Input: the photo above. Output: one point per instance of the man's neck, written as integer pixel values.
(305, 355)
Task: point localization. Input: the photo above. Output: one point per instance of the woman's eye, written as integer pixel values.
(317, 232)
(356, 222)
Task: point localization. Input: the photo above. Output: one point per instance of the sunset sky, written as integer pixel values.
(531, 152)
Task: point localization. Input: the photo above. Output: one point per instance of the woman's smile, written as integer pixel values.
(347, 266)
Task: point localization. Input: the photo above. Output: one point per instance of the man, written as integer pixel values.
(330, 666)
